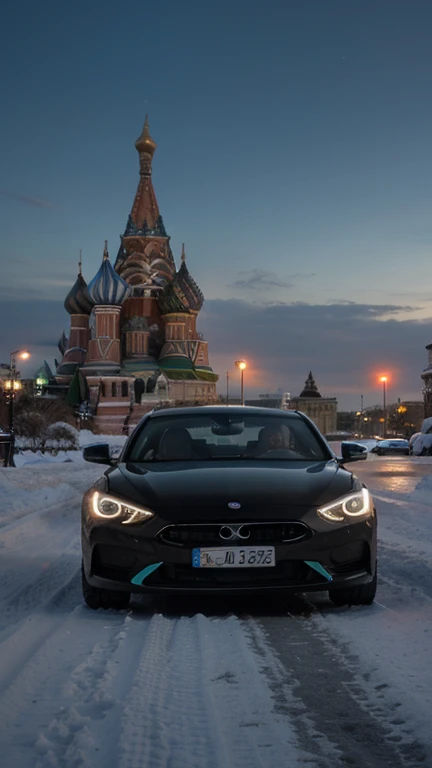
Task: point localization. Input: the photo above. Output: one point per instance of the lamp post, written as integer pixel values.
(12, 386)
(242, 365)
(384, 380)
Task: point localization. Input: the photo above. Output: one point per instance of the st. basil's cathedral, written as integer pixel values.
(133, 341)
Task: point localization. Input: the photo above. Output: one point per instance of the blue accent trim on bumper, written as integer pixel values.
(319, 569)
(139, 577)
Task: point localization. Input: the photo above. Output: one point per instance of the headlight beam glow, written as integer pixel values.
(354, 505)
(110, 508)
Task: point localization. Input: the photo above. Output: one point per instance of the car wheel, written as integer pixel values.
(379, 453)
(363, 595)
(103, 598)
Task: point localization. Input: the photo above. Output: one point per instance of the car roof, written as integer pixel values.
(232, 410)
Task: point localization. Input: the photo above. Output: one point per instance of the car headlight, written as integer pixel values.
(110, 508)
(358, 504)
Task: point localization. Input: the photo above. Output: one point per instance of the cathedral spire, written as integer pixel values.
(183, 254)
(146, 147)
(80, 263)
(145, 218)
(105, 253)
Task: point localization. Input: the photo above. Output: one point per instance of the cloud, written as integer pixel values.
(30, 324)
(36, 202)
(345, 345)
(256, 279)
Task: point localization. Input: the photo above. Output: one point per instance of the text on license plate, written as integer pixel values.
(233, 557)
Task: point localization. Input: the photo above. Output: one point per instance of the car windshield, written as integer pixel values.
(221, 436)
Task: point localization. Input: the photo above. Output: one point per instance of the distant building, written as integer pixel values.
(322, 410)
(407, 417)
(277, 399)
(427, 388)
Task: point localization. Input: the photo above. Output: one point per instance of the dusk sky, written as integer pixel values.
(294, 159)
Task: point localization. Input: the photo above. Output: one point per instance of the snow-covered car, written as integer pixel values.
(412, 440)
(227, 500)
(395, 447)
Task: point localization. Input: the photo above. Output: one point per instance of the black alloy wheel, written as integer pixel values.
(103, 598)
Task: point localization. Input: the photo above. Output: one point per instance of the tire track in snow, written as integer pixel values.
(337, 699)
(59, 688)
(28, 581)
(198, 699)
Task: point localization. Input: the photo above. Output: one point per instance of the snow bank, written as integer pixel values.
(30, 458)
(35, 488)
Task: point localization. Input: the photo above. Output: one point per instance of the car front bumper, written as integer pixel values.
(334, 558)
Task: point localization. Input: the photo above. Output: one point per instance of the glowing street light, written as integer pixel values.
(11, 387)
(242, 365)
(384, 380)
(21, 353)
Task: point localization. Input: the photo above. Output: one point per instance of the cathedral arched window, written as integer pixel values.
(114, 389)
(124, 389)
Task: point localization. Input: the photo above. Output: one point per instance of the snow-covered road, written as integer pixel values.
(211, 683)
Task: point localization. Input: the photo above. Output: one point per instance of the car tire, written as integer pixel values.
(96, 598)
(363, 595)
(379, 453)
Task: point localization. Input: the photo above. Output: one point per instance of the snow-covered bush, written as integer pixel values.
(62, 437)
(30, 428)
(40, 424)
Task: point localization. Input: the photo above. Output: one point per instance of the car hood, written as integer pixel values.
(173, 485)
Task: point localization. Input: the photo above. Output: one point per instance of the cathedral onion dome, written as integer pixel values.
(107, 287)
(182, 294)
(145, 142)
(78, 301)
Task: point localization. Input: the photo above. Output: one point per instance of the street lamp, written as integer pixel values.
(242, 365)
(11, 387)
(384, 380)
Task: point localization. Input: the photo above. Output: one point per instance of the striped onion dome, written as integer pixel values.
(107, 287)
(78, 301)
(182, 294)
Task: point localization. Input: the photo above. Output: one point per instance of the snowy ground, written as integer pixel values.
(206, 683)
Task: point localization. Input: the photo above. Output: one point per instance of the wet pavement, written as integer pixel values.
(396, 474)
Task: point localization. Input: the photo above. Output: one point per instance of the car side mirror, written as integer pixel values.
(353, 452)
(98, 453)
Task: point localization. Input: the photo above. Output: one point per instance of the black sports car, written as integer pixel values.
(224, 499)
(395, 447)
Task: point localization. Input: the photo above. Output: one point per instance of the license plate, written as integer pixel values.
(234, 557)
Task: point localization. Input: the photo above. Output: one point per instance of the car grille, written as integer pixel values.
(195, 535)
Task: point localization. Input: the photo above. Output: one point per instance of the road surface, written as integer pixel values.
(211, 683)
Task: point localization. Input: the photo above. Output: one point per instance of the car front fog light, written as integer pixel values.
(357, 505)
(111, 508)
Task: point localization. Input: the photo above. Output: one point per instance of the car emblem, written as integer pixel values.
(231, 532)
(234, 505)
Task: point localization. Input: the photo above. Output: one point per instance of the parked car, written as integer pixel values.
(227, 500)
(395, 447)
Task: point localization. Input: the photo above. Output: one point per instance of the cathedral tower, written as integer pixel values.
(144, 346)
